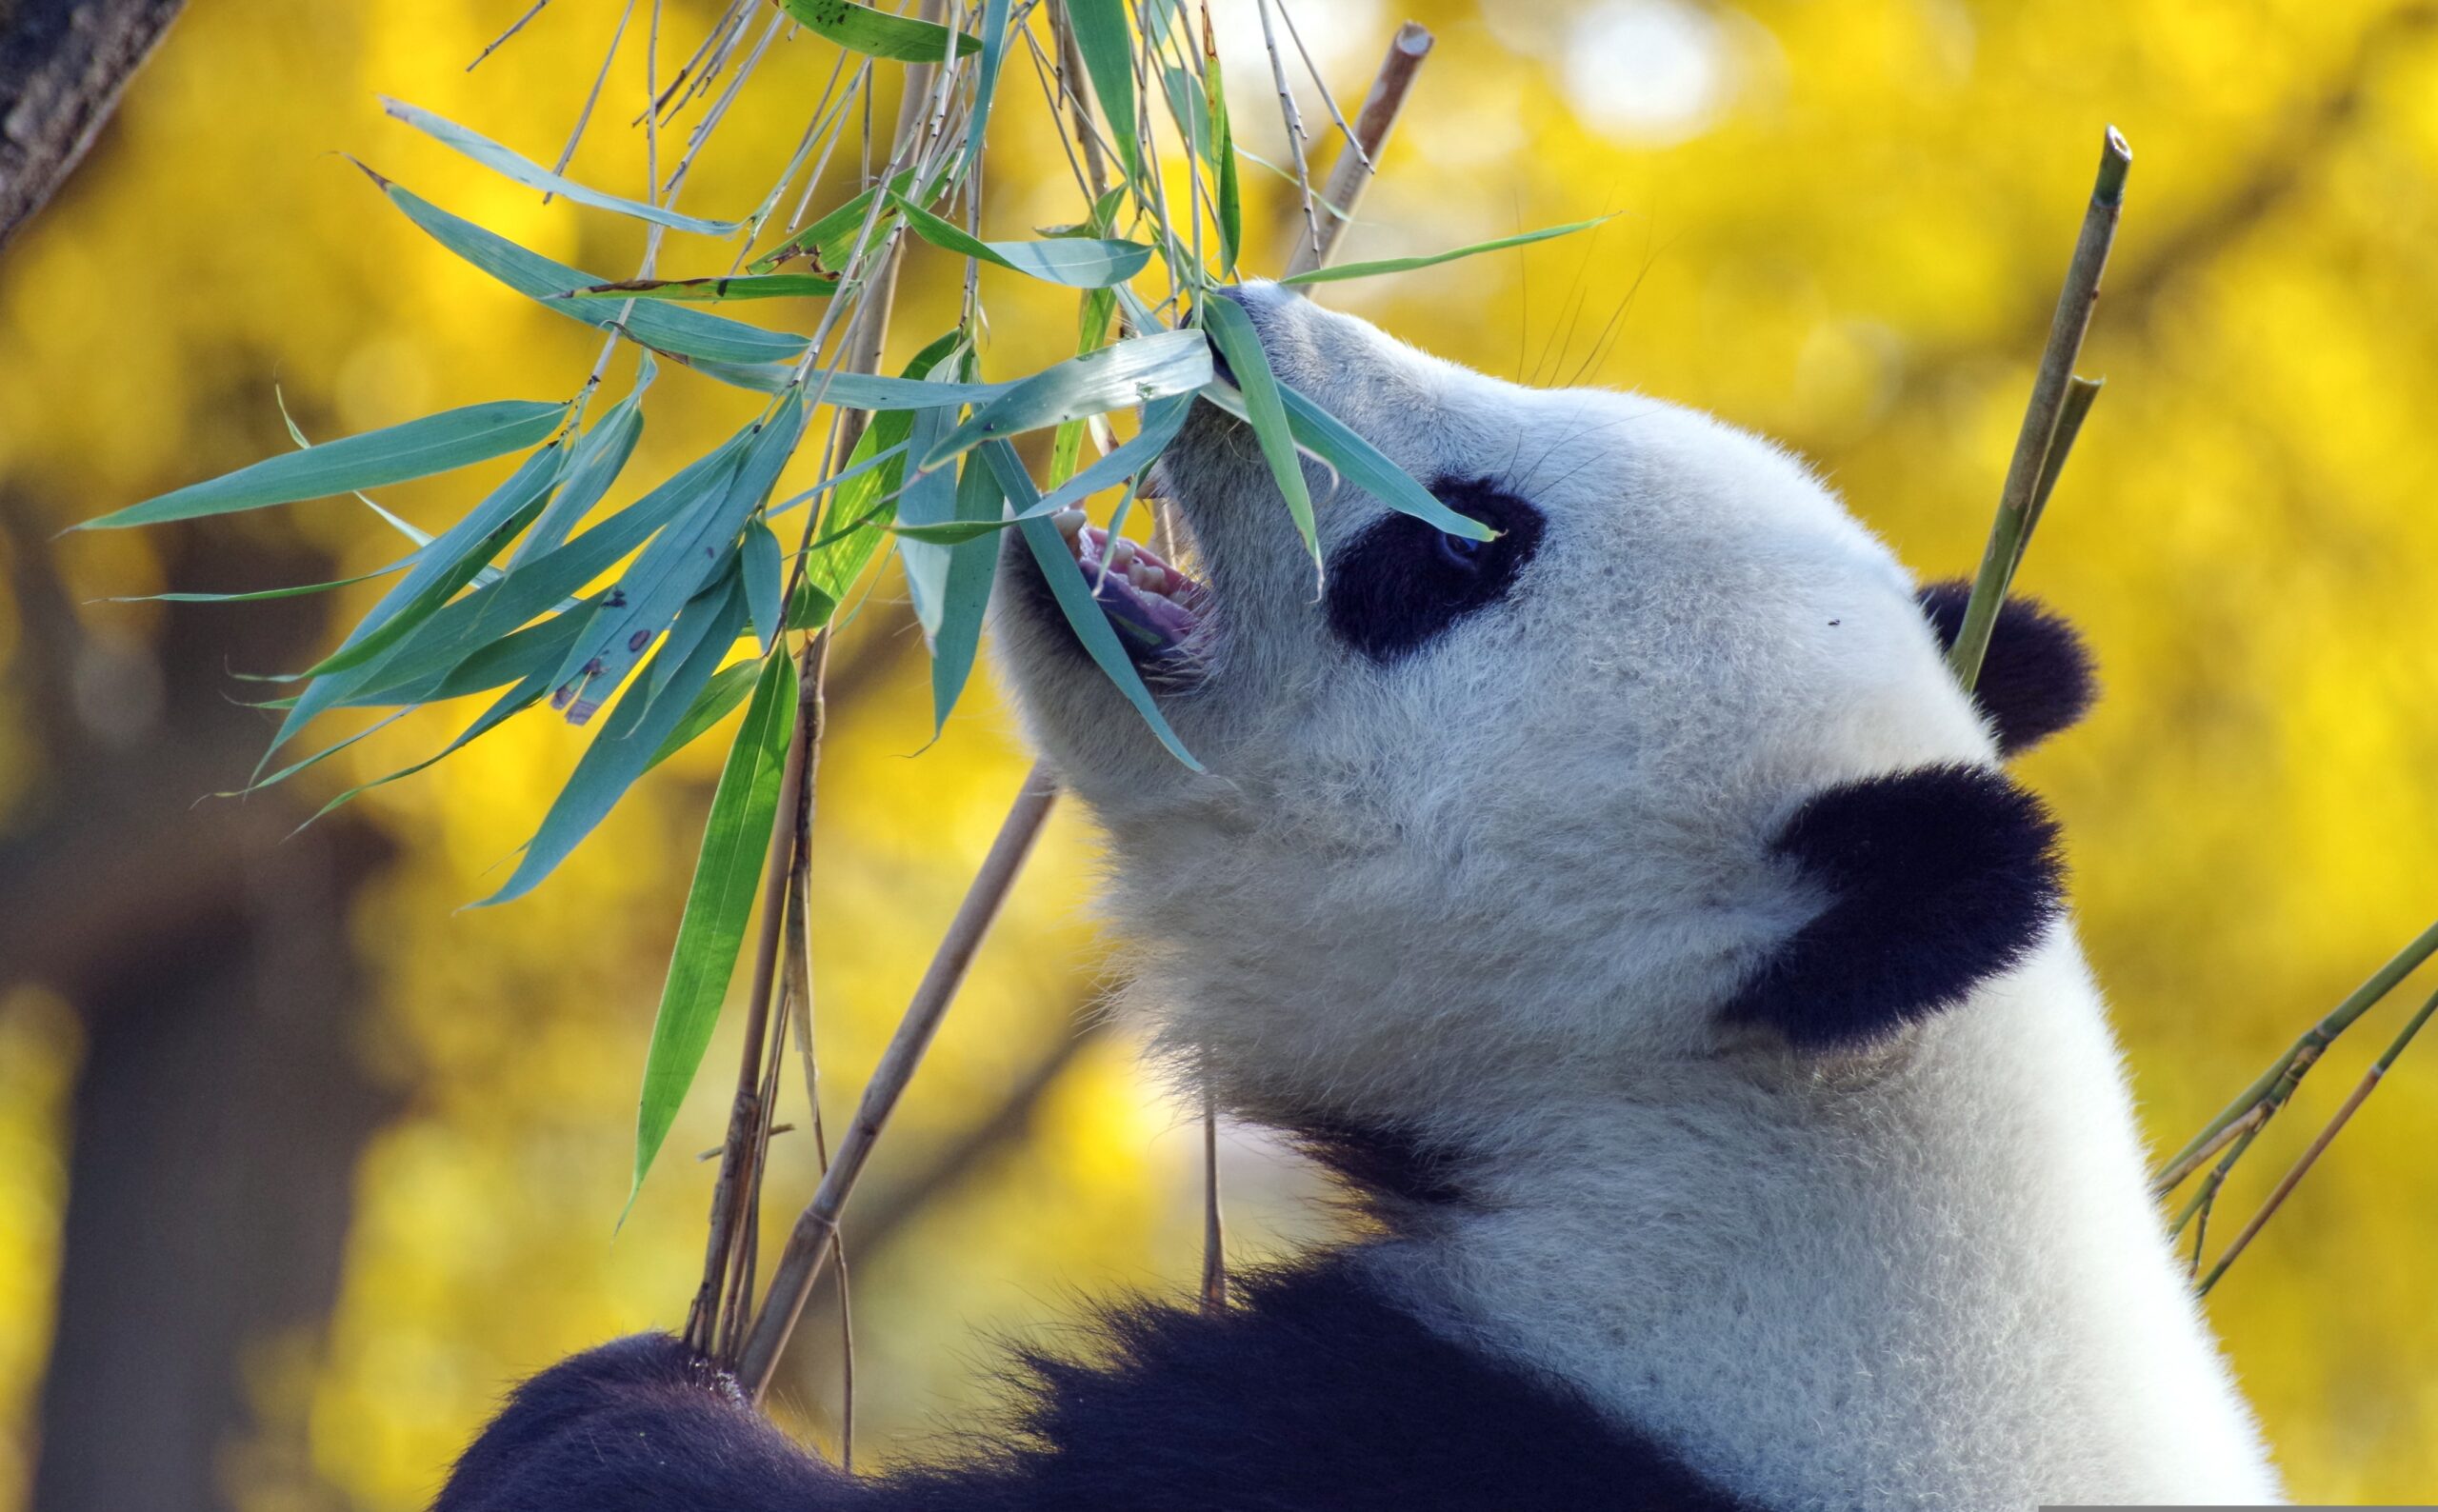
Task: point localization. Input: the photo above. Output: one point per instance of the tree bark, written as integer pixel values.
(62, 64)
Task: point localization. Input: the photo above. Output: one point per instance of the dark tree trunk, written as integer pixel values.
(222, 1104)
(62, 66)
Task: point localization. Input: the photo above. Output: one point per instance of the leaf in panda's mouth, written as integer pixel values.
(1153, 607)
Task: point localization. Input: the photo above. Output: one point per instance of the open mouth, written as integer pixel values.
(1155, 608)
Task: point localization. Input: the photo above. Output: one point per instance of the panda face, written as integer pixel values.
(1488, 791)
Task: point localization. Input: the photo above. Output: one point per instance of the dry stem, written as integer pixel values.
(1359, 163)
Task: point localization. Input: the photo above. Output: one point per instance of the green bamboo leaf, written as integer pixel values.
(1077, 262)
(537, 649)
(533, 175)
(1074, 596)
(619, 754)
(929, 498)
(762, 586)
(1108, 44)
(1232, 332)
(1162, 420)
(876, 34)
(1229, 198)
(714, 343)
(830, 241)
(1360, 462)
(715, 290)
(727, 875)
(717, 700)
(1127, 372)
(1407, 265)
(862, 506)
(454, 438)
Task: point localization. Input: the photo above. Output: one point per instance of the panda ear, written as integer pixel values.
(2038, 677)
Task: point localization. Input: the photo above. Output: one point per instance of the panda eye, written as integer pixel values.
(1461, 551)
(1402, 582)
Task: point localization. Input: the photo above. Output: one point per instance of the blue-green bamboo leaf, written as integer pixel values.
(728, 873)
(1231, 329)
(1362, 463)
(714, 343)
(259, 594)
(995, 38)
(524, 695)
(619, 754)
(1162, 420)
(533, 175)
(762, 586)
(418, 449)
(718, 698)
(964, 589)
(689, 554)
(1074, 596)
(715, 290)
(592, 467)
(1125, 372)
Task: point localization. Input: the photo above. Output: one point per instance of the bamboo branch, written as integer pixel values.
(2040, 432)
(811, 1241)
(2273, 1086)
(1359, 163)
(2319, 1145)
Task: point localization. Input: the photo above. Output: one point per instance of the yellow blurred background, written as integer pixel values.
(300, 1164)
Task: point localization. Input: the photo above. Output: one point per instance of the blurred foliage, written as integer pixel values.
(1843, 225)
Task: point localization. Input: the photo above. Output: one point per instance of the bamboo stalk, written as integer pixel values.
(2040, 419)
(811, 1243)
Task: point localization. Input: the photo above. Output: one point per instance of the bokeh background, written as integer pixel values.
(300, 1164)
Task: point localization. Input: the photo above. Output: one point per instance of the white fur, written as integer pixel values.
(1496, 891)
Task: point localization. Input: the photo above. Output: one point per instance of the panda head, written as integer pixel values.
(1477, 815)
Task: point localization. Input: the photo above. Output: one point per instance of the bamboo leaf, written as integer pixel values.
(259, 594)
(1127, 373)
(876, 34)
(1337, 271)
(591, 467)
(1360, 462)
(691, 551)
(964, 589)
(1229, 197)
(1108, 46)
(713, 290)
(1162, 420)
(717, 905)
(761, 585)
(718, 698)
(1074, 596)
(1231, 329)
(830, 240)
(995, 35)
(454, 438)
(623, 749)
(1077, 262)
(688, 336)
(533, 175)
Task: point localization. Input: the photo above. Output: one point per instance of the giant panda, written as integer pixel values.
(1637, 913)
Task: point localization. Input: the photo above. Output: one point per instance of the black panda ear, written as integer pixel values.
(2038, 677)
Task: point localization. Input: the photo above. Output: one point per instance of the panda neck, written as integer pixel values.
(1942, 1285)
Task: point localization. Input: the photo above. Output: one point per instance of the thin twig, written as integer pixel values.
(1354, 142)
(2319, 1145)
(584, 117)
(1294, 119)
(514, 27)
(1354, 170)
(2049, 389)
(2275, 1085)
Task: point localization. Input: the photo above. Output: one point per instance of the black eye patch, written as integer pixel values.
(1401, 582)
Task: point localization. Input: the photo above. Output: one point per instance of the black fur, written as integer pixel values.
(2038, 677)
(1402, 582)
(1392, 1170)
(1311, 1394)
(1936, 879)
